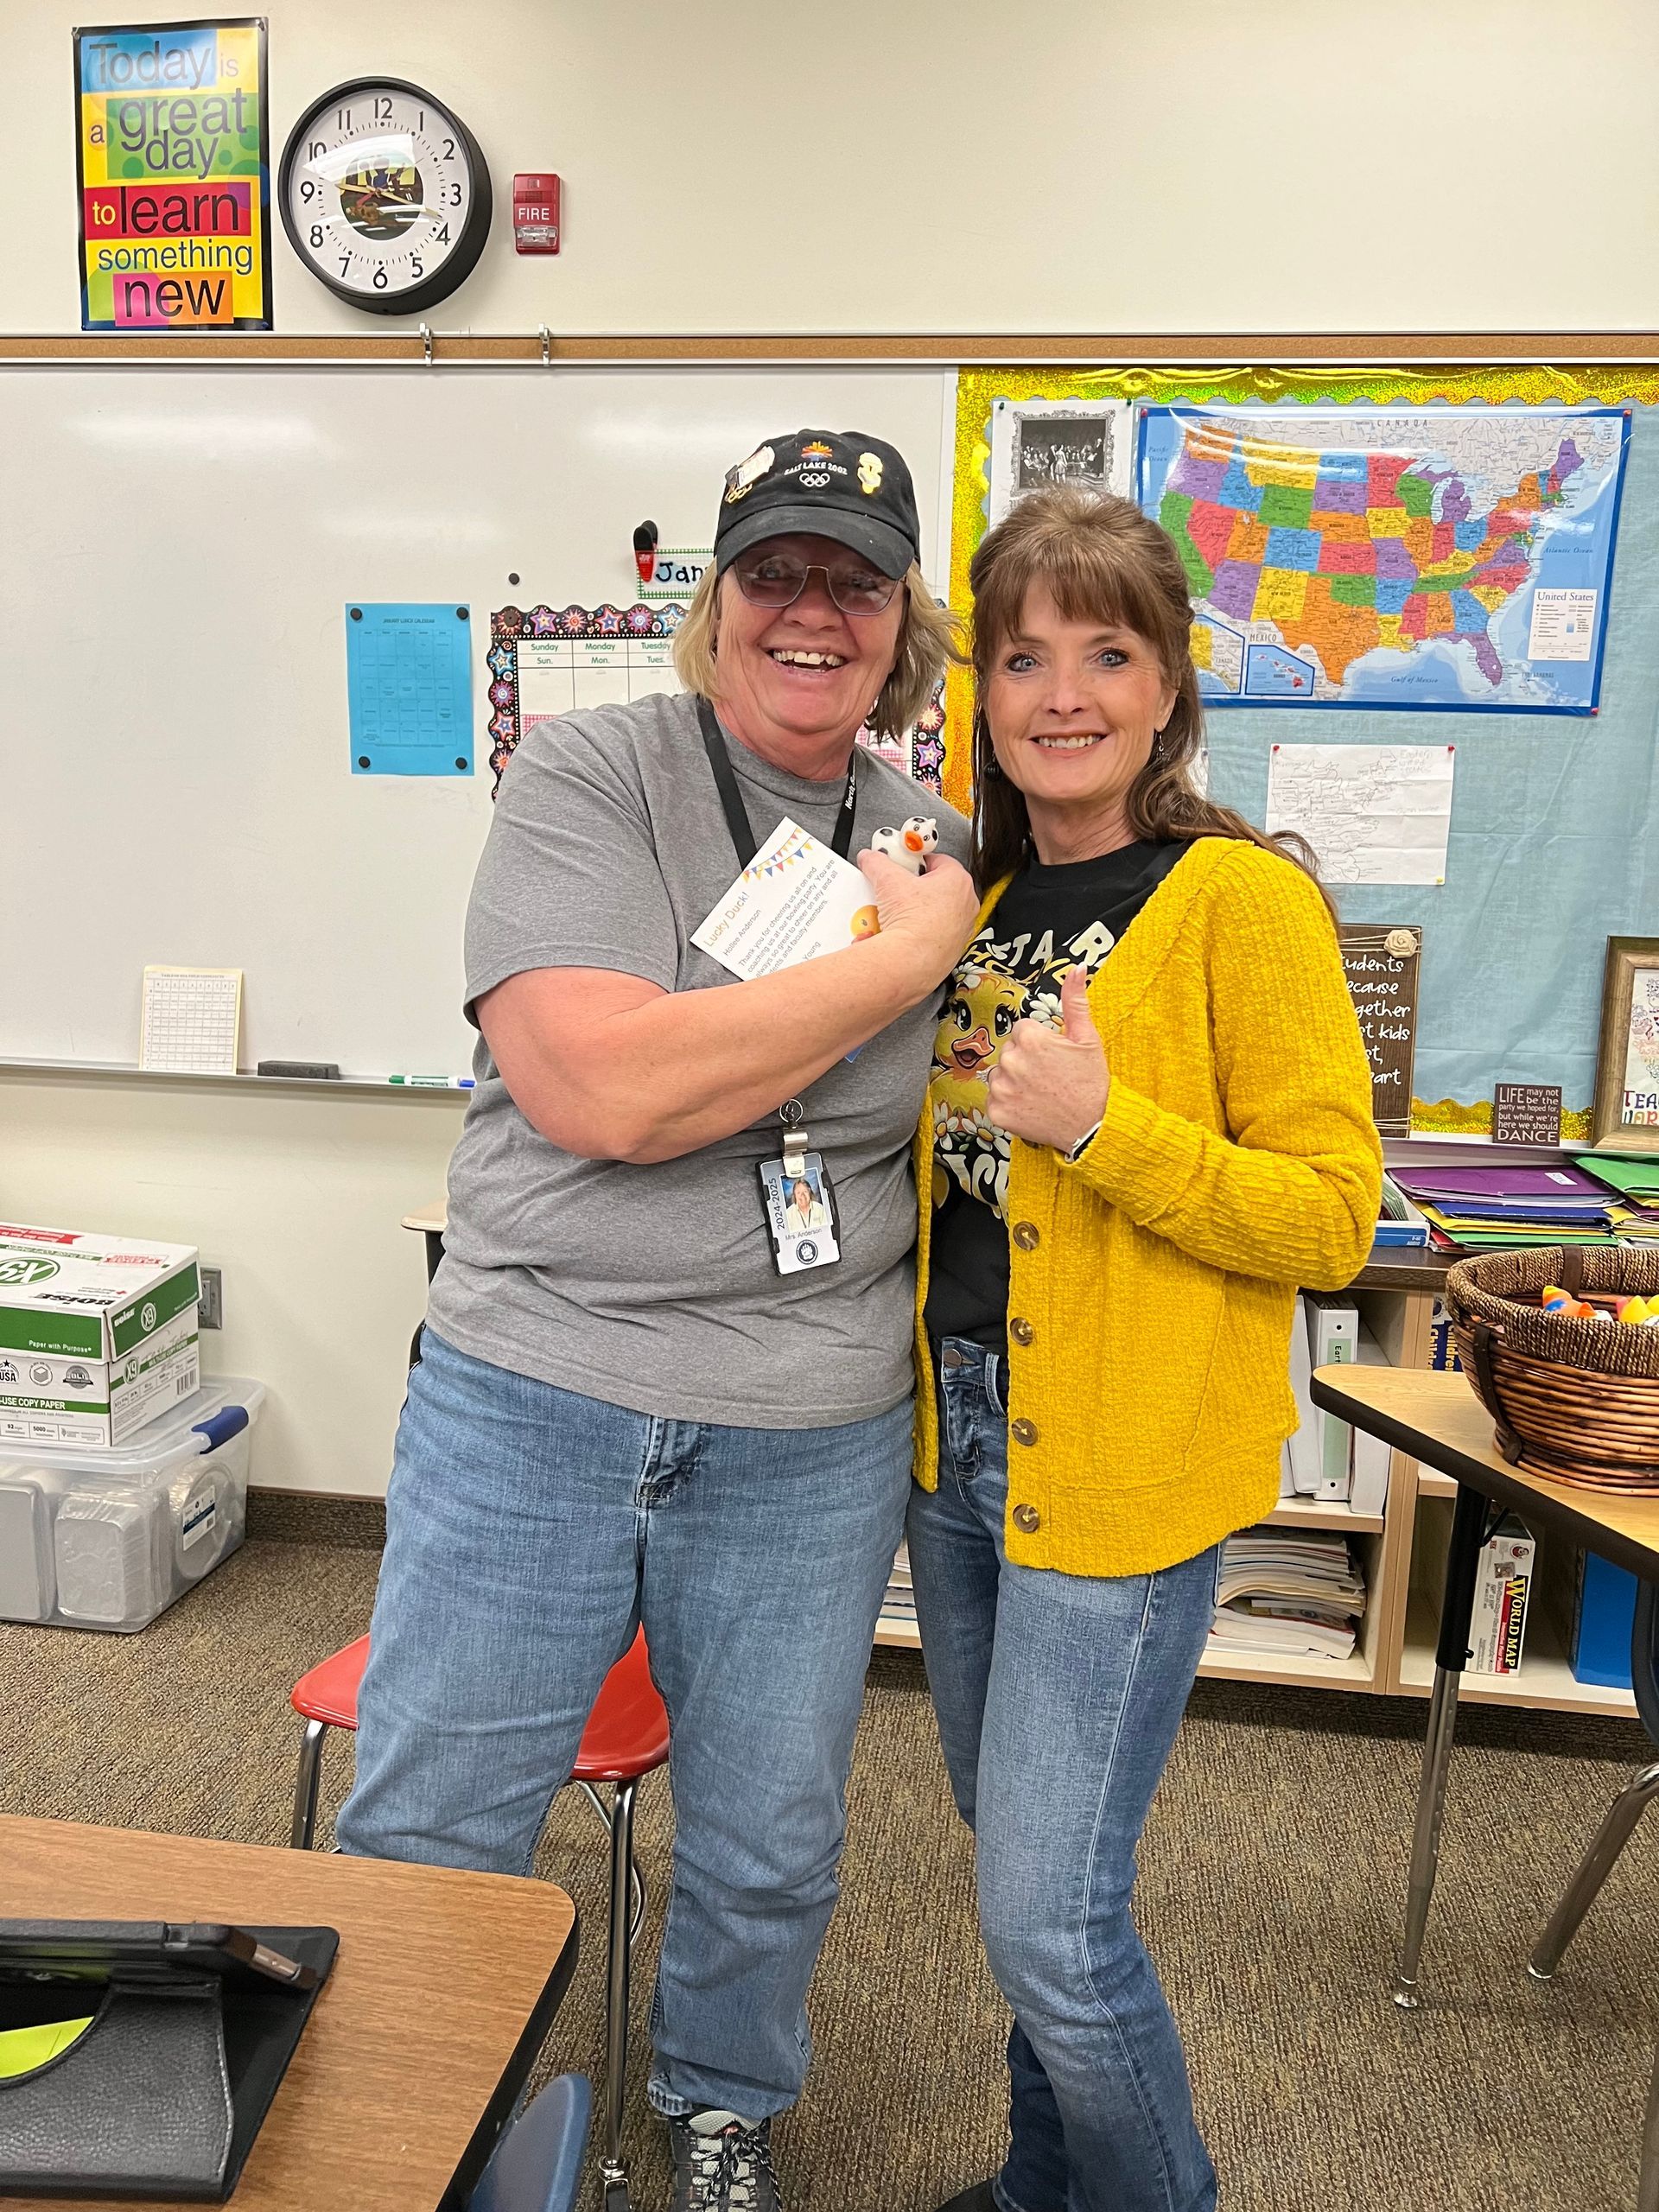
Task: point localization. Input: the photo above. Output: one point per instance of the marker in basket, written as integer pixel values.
(432, 1082)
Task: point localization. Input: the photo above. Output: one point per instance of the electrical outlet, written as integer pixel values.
(211, 1314)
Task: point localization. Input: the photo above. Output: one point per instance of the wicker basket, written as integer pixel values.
(1575, 1399)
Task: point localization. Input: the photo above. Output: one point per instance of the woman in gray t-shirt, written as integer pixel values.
(645, 1396)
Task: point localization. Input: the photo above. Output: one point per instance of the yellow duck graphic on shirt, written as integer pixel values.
(983, 1004)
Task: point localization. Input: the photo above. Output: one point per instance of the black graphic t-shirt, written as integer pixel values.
(1048, 920)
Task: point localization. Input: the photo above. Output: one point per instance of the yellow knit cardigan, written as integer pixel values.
(1153, 1282)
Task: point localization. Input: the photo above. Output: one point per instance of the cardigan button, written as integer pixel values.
(1020, 1333)
(1023, 1432)
(1025, 1235)
(1027, 1520)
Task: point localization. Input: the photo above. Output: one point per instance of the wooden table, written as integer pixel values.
(442, 1993)
(1438, 1419)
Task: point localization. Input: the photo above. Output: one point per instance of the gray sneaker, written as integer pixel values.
(720, 2165)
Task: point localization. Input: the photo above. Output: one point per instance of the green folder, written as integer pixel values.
(1637, 1180)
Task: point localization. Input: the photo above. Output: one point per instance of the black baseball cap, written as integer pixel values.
(832, 483)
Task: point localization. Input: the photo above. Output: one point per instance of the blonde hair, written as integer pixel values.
(929, 641)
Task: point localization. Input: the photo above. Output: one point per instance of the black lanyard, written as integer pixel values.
(737, 818)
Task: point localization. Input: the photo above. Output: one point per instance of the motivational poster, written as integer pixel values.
(174, 176)
(1381, 963)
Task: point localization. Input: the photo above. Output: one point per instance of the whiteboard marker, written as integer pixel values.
(432, 1082)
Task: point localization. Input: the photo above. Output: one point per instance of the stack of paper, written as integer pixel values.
(1294, 1591)
(1635, 1184)
(1495, 1209)
(898, 1606)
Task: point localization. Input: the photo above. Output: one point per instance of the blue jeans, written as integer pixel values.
(1059, 1697)
(528, 1532)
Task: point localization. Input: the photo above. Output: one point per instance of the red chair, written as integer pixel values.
(625, 1739)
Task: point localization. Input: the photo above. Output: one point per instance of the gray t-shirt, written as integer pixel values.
(652, 1288)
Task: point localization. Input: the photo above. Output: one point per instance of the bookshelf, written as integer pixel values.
(1395, 1654)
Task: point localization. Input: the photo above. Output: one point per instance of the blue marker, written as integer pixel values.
(432, 1082)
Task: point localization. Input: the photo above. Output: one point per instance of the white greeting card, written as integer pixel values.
(795, 900)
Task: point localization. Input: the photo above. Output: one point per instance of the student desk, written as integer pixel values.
(1438, 1419)
(443, 1993)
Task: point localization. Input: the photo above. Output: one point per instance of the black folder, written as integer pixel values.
(193, 2027)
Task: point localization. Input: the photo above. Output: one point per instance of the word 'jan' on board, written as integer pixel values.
(1381, 960)
(1527, 1113)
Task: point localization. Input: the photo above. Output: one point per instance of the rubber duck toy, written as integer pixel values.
(1563, 1304)
(910, 843)
(1641, 1312)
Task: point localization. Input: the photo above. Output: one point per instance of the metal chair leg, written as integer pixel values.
(307, 1785)
(636, 1880)
(1593, 1871)
(613, 2167)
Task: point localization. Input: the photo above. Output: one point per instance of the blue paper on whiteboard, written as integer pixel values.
(409, 685)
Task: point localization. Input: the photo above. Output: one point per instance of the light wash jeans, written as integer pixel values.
(1059, 1697)
(528, 1532)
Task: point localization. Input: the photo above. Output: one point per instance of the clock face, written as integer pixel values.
(385, 195)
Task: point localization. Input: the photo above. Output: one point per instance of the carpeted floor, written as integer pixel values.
(1272, 1874)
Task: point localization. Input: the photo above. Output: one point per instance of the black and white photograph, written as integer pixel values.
(1038, 442)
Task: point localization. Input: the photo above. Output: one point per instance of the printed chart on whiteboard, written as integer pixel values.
(192, 1021)
(550, 661)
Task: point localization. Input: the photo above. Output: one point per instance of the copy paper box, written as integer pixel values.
(98, 1334)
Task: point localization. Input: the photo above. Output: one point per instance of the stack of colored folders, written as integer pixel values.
(1495, 1209)
(1636, 1185)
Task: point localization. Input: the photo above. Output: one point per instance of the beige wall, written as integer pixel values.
(774, 165)
(297, 1197)
(974, 165)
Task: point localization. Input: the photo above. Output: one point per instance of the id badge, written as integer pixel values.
(800, 1209)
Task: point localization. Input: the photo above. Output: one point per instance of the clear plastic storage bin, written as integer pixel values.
(110, 1539)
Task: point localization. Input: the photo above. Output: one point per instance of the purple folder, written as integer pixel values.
(1561, 1180)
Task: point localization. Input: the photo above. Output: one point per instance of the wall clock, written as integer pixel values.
(385, 195)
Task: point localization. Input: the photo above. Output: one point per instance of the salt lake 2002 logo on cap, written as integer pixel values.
(813, 476)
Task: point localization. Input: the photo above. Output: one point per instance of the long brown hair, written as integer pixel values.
(1103, 562)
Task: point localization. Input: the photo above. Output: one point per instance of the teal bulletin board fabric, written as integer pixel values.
(1553, 845)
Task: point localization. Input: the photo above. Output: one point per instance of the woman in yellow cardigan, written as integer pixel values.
(1149, 1121)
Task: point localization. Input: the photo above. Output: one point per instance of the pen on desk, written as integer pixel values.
(432, 1082)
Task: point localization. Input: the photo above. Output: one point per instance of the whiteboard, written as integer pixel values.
(179, 547)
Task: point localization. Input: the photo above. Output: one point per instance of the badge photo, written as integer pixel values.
(800, 1215)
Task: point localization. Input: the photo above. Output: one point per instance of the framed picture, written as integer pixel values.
(1626, 1117)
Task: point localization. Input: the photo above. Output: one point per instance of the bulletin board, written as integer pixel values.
(1553, 841)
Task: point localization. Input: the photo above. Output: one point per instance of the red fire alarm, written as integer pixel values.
(536, 213)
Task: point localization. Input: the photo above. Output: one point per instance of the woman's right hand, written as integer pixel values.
(926, 919)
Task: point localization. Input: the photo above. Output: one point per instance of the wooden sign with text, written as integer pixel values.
(1527, 1113)
(1380, 962)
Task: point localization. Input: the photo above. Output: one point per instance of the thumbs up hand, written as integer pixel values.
(1048, 1086)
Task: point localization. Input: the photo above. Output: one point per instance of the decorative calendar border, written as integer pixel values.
(588, 625)
(581, 625)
